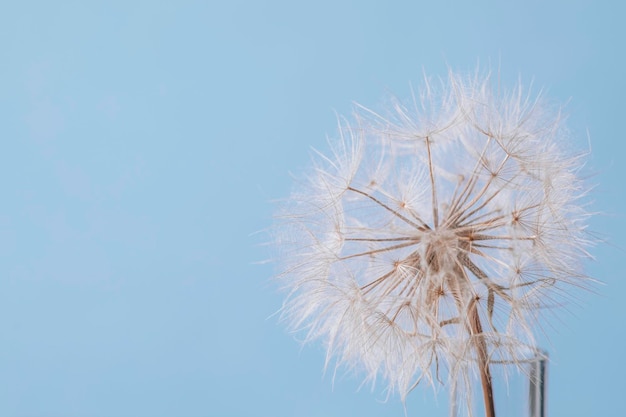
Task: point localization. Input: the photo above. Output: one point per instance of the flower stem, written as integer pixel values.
(483, 361)
(474, 328)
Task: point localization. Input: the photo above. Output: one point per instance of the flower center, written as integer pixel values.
(441, 249)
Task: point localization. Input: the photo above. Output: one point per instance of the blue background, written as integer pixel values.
(142, 144)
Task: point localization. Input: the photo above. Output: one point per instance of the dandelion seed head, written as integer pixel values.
(433, 236)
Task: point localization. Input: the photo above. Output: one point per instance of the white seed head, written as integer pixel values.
(435, 231)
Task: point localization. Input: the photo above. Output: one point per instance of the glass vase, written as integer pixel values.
(518, 391)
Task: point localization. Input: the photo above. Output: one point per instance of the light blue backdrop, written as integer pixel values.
(142, 143)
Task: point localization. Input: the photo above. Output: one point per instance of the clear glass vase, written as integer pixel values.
(518, 391)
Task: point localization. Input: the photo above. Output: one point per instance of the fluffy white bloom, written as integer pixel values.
(424, 245)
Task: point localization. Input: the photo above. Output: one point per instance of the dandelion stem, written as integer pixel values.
(476, 334)
(483, 361)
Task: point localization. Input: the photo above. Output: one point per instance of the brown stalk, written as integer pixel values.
(476, 332)
(483, 360)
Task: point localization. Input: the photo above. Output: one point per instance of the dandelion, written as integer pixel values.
(423, 247)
